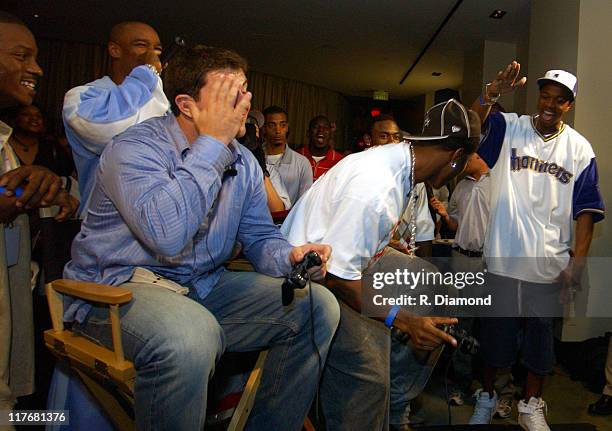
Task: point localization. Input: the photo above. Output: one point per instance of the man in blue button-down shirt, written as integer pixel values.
(172, 195)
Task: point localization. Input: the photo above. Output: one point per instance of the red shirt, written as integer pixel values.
(325, 164)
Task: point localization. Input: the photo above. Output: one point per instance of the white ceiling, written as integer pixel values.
(351, 46)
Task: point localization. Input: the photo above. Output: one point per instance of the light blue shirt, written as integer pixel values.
(295, 173)
(161, 204)
(94, 113)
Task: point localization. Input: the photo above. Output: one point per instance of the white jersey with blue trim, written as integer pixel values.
(96, 112)
(538, 184)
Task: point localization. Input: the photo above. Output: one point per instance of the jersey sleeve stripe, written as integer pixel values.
(586, 195)
(493, 138)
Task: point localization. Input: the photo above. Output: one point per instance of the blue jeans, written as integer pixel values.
(409, 368)
(175, 341)
(365, 384)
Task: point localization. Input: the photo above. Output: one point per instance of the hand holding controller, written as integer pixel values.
(299, 276)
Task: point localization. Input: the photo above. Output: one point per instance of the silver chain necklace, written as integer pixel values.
(412, 208)
(412, 202)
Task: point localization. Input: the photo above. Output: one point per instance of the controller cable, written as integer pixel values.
(316, 349)
(448, 402)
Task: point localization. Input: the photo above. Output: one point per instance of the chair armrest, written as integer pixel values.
(94, 292)
(101, 293)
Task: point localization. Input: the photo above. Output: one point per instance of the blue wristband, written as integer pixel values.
(391, 316)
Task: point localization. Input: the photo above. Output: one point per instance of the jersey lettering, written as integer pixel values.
(518, 162)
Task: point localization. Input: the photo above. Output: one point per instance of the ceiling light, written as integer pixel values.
(498, 14)
(436, 73)
(36, 15)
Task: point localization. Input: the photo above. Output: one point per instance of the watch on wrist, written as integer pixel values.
(152, 68)
(488, 100)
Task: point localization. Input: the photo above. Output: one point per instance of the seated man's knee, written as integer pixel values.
(191, 341)
(326, 308)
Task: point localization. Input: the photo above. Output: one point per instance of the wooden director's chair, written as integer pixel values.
(107, 375)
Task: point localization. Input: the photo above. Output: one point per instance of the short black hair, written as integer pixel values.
(7, 18)
(566, 91)
(377, 119)
(313, 122)
(274, 109)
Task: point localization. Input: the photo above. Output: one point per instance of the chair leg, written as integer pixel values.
(243, 409)
(120, 419)
(308, 426)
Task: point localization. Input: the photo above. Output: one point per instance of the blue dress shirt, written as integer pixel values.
(169, 207)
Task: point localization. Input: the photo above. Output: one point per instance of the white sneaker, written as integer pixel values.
(503, 409)
(484, 408)
(532, 415)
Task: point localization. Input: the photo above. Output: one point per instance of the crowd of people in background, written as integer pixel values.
(172, 175)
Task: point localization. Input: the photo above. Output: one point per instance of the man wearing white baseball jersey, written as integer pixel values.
(543, 175)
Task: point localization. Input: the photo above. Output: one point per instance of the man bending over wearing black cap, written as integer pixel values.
(355, 208)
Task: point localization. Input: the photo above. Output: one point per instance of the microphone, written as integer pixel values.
(177, 43)
(229, 171)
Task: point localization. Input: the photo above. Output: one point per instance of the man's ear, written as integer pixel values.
(114, 50)
(458, 155)
(185, 104)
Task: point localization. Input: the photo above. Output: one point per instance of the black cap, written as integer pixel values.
(448, 119)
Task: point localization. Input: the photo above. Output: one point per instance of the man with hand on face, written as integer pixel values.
(94, 113)
(19, 75)
(293, 168)
(318, 151)
(356, 208)
(172, 196)
(543, 175)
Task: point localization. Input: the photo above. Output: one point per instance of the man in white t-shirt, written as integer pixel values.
(355, 208)
(404, 366)
(543, 175)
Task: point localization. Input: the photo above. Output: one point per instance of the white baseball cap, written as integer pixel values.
(562, 77)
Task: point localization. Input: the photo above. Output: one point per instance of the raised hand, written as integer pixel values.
(506, 81)
(151, 57)
(223, 106)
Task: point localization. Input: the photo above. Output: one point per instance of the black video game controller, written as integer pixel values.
(465, 342)
(299, 276)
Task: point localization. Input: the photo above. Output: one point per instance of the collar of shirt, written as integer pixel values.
(287, 157)
(9, 159)
(471, 178)
(329, 155)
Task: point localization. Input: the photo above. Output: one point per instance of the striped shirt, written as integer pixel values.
(167, 206)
